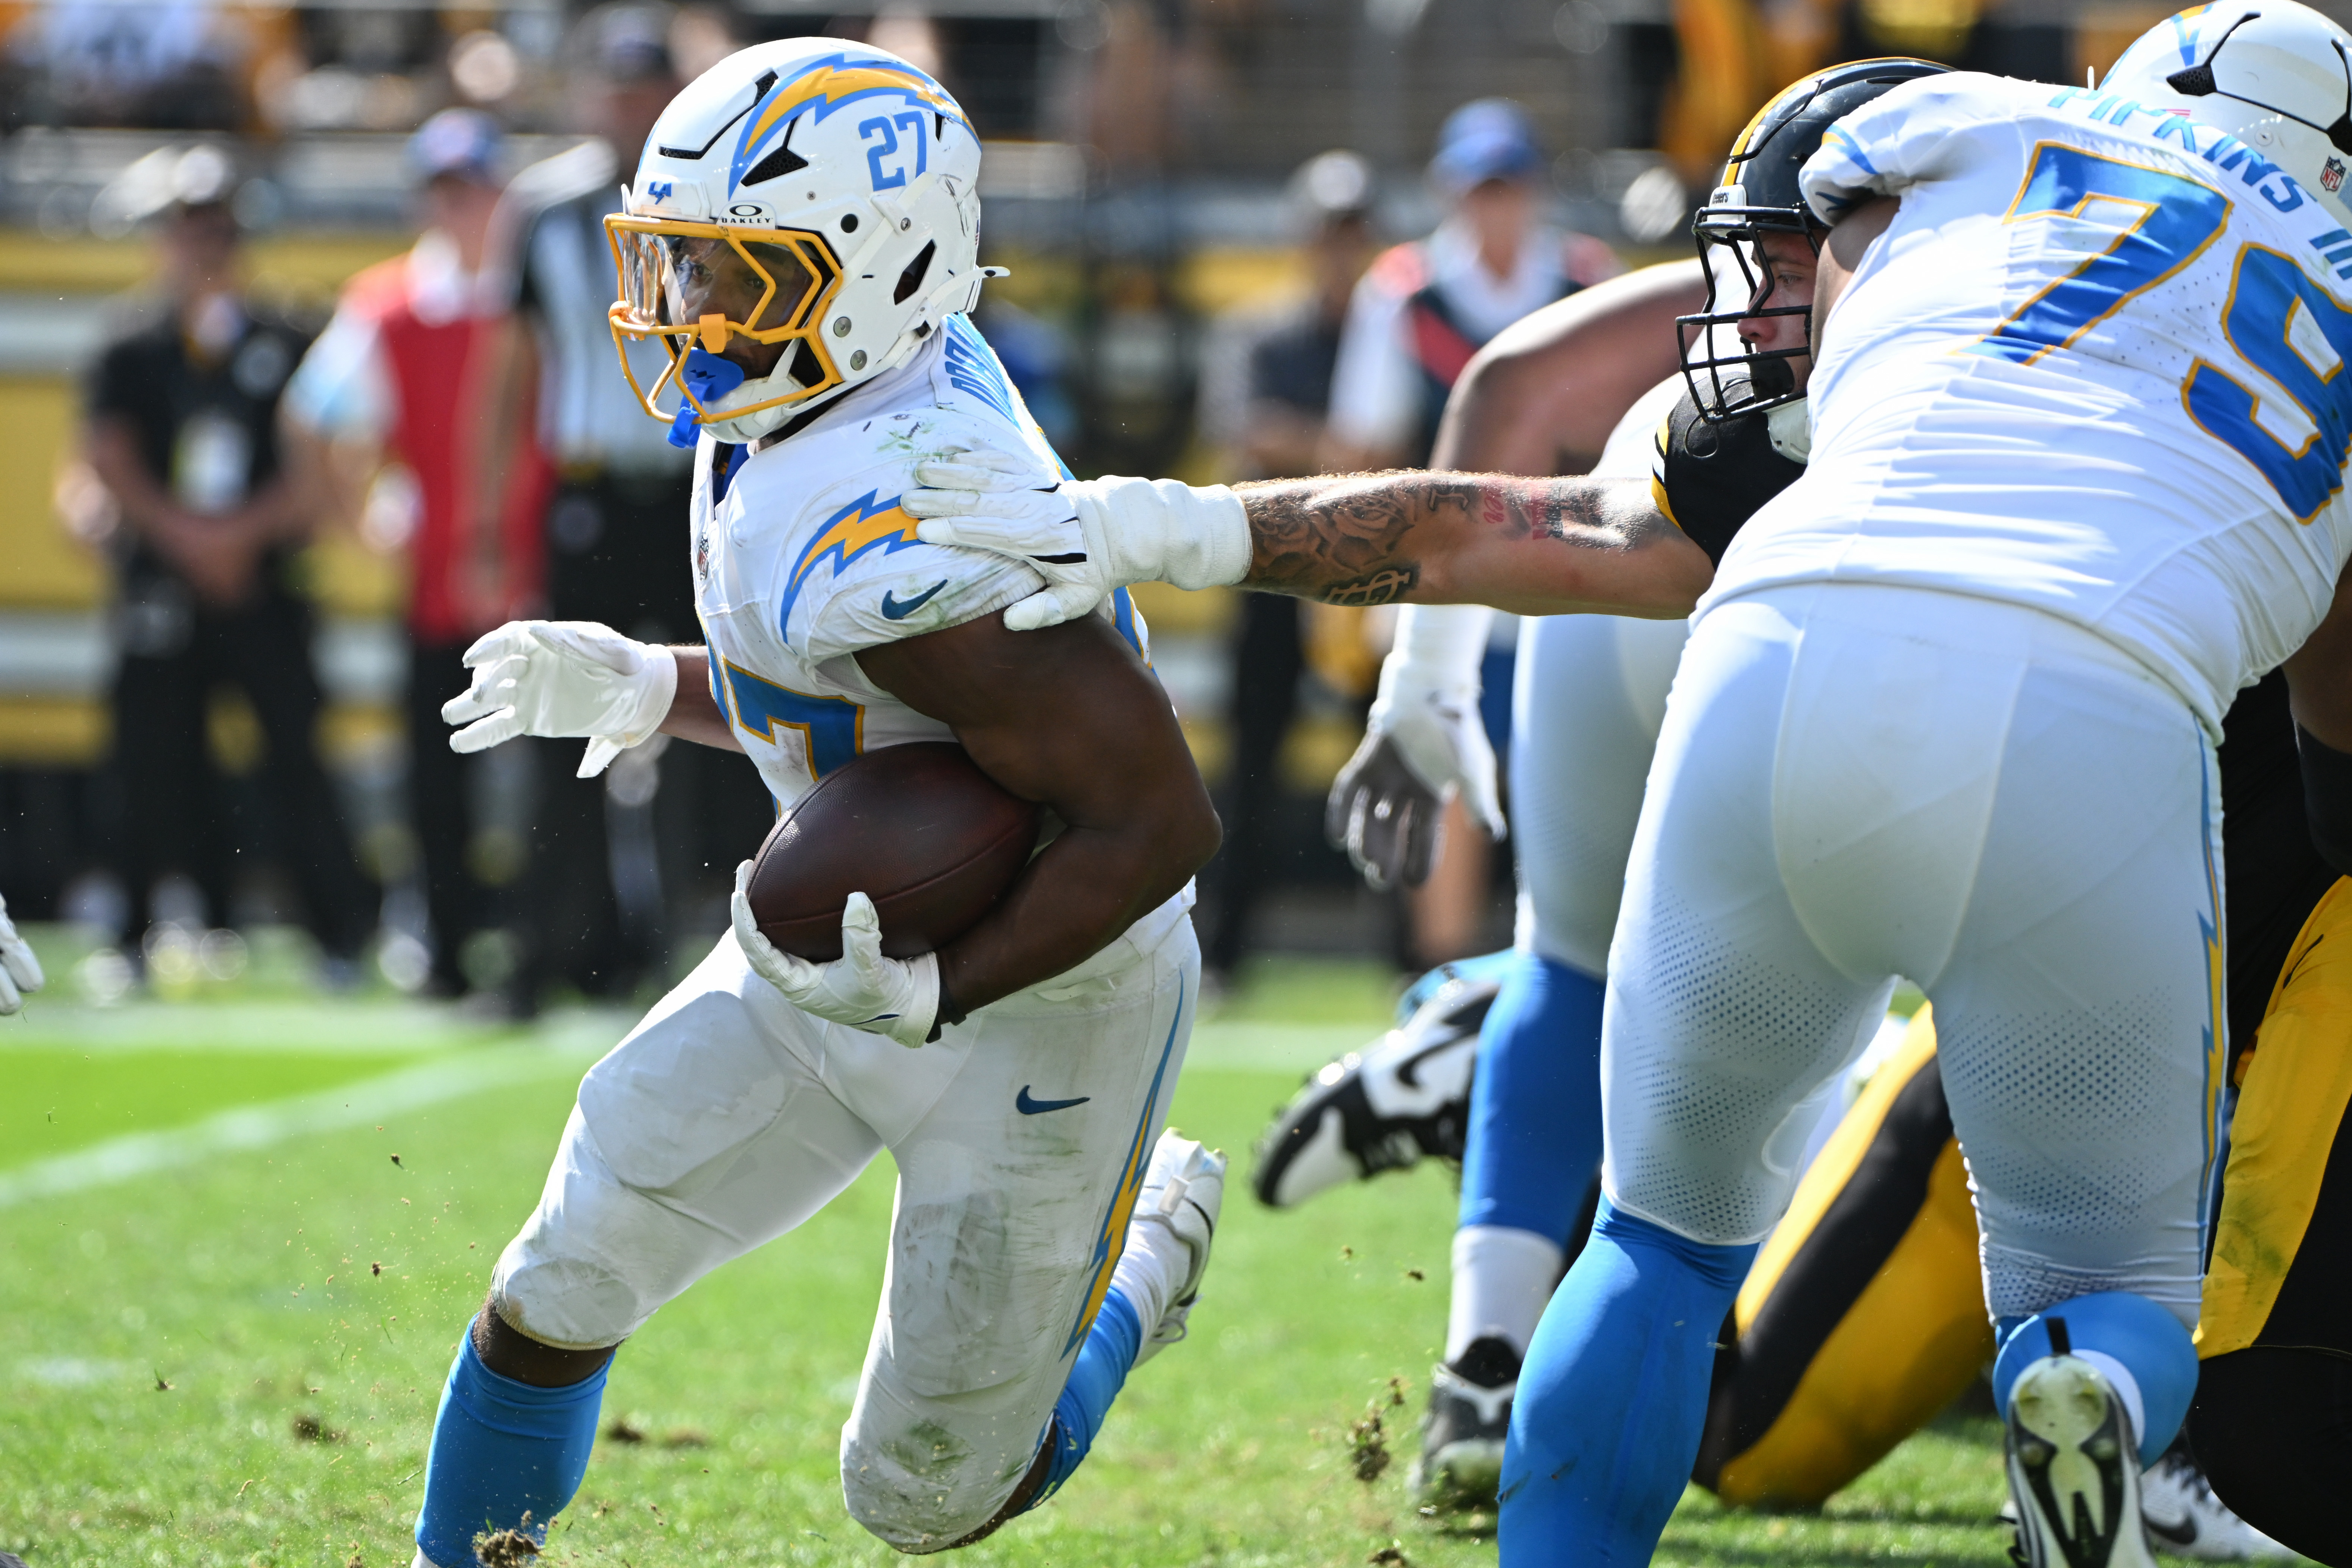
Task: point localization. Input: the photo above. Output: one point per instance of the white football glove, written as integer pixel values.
(563, 678)
(1425, 743)
(1084, 537)
(896, 996)
(20, 971)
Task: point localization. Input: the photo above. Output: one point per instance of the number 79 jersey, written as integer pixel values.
(2093, 366)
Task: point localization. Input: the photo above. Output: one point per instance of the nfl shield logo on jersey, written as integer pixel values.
(2331, 178)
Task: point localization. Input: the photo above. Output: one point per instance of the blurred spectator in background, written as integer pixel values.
(1265, 385)
(1418, 315)
(613, 857)
(182, 413)
(389, 379)
(1426, 306)
(174, 64)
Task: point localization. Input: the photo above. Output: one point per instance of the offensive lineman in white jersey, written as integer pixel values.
(1947, 711)
(802, 239)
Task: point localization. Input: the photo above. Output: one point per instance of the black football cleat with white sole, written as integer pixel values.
(1461, 1461)
(1404, 1099)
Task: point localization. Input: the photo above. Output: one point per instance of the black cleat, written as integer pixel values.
(1461, 1461)
(1404, 1100)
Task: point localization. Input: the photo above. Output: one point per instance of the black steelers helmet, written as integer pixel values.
(1758, 195)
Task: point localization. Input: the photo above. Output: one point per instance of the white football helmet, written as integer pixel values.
(810, 192)
(2273, 73)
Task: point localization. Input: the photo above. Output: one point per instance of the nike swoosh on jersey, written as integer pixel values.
(895, 609)
(1028, 1107)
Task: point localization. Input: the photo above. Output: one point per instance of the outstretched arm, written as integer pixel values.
(1537, 547)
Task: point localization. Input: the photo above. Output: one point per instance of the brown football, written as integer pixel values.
(918, 829)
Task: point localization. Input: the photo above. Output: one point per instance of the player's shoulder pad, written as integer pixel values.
(1711, 478)
(847, 571)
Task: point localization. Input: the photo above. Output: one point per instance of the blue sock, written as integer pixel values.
(2146, 1338)
(501, 1449)
(1614, 1396)
(1535, 1104)
(1104, 1362)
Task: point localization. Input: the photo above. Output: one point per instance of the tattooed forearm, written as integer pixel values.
(1375, 539)
(1385, 586)
(1529, 509)
(1347, 541)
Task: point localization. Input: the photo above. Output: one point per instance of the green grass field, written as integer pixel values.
(227, 1312)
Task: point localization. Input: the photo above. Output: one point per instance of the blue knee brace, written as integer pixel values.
(1104, 1362)
(1535, 1104)
(2150, 1342)
(502, 1450)
(1614, 1396)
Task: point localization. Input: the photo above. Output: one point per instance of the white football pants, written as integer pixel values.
(1021, 1137)
(1586, 703)
(1857, 781)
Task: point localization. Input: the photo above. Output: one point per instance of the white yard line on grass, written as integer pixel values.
(247, 1127)
(563, 1046)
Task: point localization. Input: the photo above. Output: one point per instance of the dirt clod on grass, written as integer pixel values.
(1390, 1557)
(686, 1437)
(506, 1548)
(620, 1431)
(311, 1429)
(1368, 1439)
(1368, 1448)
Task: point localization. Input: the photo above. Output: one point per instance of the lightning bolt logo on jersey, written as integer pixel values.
(2093, 367)
(802, 556)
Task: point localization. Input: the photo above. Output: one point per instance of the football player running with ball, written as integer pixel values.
(1947, 711)
(802, 238)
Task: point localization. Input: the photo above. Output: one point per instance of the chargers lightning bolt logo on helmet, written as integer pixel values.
(869, 246)
(832, 83)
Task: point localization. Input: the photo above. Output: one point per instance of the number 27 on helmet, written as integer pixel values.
(806, 214)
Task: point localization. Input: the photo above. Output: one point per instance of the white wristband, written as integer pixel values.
(1162, 531)
(1439, 645)
(1213, 547)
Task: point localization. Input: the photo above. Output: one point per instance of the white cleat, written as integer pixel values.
(1183, 1190)
(2074, 1469)
(2185, 1519)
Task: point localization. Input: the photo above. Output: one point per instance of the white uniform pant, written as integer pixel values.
(727, 1117)
(1586, 705)
(1857, 781)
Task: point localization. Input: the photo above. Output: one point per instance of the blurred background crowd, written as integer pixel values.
(305, 382)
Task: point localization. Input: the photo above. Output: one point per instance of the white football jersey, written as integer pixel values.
(2092, 368)
(802, 556)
